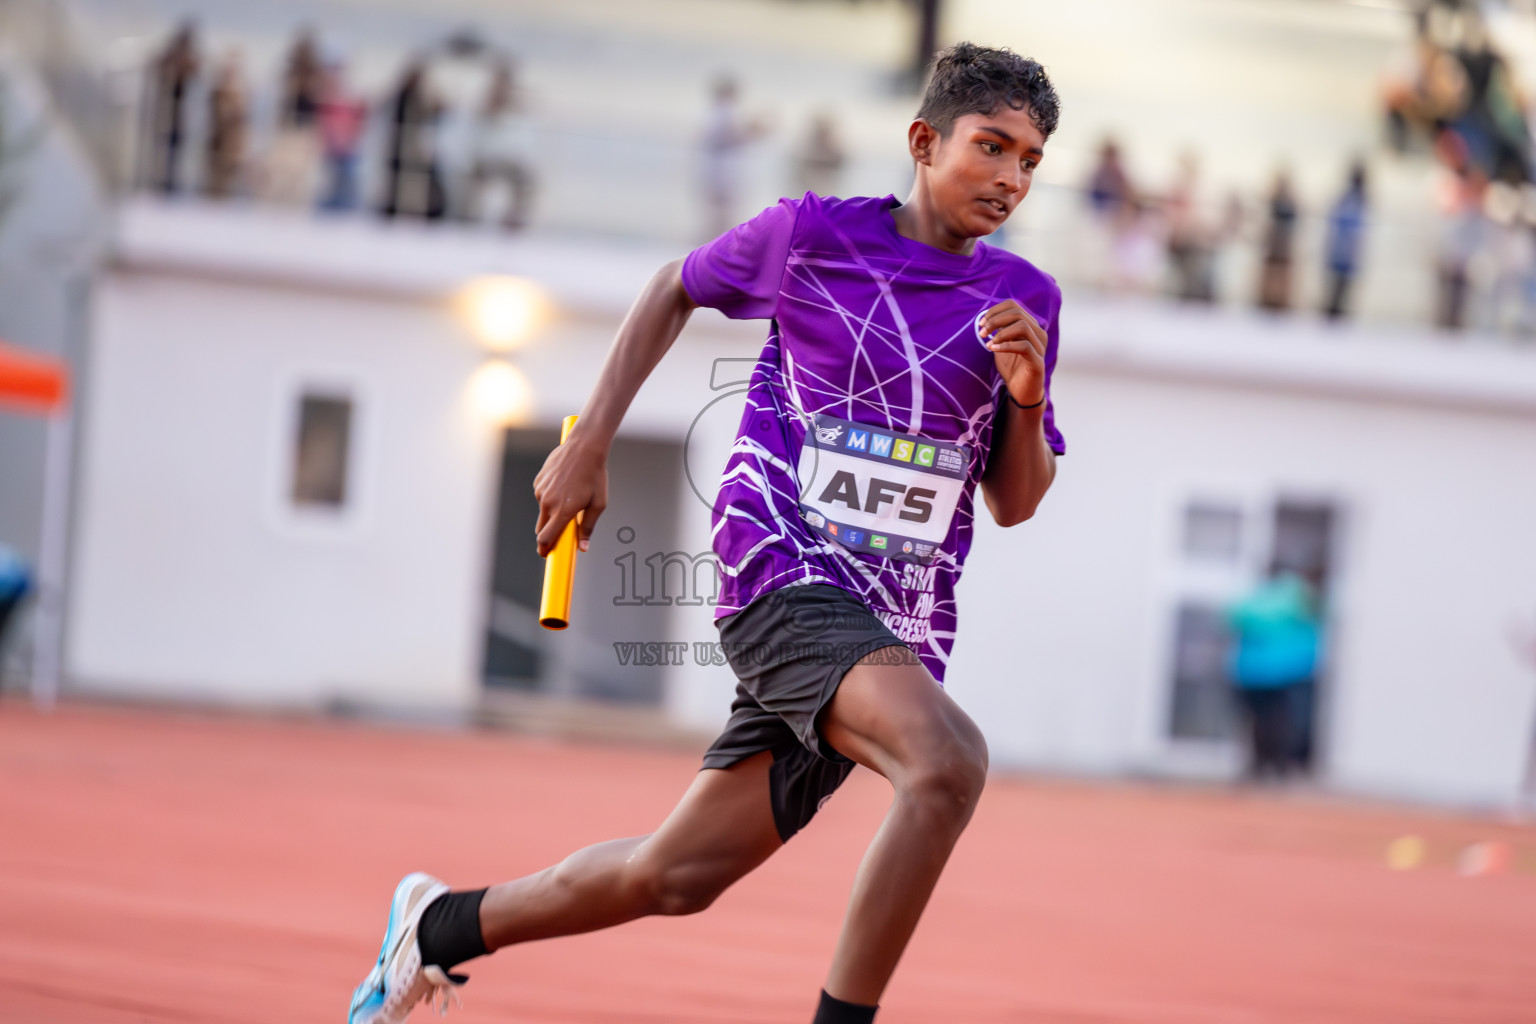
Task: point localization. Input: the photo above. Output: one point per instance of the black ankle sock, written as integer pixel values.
(449, 932)
(835, 1011)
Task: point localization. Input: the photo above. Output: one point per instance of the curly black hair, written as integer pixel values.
(971, 79)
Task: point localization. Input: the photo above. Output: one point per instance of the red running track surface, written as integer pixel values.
(159, 866)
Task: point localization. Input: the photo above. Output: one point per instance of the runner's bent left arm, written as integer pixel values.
(1022, 465)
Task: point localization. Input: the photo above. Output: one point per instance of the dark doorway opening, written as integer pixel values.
(645, 480)
(1304, 545)
(514, 650)
(1301, 540)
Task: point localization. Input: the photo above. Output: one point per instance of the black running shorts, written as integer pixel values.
(790, 650)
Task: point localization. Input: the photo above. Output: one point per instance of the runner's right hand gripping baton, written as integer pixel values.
(560, 566)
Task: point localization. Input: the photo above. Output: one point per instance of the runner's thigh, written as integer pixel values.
(894, 717)
(723, 827)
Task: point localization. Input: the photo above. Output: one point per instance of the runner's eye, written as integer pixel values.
(992, 148)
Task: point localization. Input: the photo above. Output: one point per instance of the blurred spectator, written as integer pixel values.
(819, 164)
(1462, 229)
(1510, 254)
(413, 177)
(1276, 639)
(171, 80)
(1346, 226)
(1492, 122)
(1279, 246)
(228, 115)
(1229, 231)
(1109, 187)
(303, 82)
(929, 14)
(1461, 83)
(725, 136)
(1190, 238)
(503, 154)
(15, 582)
(1113, 212)
(1135, 248)
(1435, 91)
(341, 118)
(293, 159)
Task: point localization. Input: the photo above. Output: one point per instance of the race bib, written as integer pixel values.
(879, 491)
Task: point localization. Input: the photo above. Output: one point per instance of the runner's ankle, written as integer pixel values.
(449, 933)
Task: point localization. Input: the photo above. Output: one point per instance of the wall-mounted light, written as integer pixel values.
(502, 312)
(501, 393)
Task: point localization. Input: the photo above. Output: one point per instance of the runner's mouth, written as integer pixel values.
(995, 204)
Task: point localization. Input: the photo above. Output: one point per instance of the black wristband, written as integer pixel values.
(1016, 404)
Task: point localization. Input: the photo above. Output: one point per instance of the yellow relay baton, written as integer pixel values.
(560, 565)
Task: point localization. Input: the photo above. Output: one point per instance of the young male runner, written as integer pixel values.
(906, 362)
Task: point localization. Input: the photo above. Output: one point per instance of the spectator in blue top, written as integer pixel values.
(1276, 638)
(1346, 226)
(15, 582)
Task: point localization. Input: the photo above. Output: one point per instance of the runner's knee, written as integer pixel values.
(675, 889)
(946, 774)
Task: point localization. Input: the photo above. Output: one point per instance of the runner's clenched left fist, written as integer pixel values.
(1018, 344)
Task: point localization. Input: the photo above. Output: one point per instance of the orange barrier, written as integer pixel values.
(37, 383)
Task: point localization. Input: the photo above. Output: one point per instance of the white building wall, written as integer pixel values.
(49, 235)
(194, 577)
(1063, 655)
(1438, 702)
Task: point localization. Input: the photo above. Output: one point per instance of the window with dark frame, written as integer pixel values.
(322, 450)
(1213, 532)
(1201, 705)
(1302, 541)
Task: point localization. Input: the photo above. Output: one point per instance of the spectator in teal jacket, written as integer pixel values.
(1276, 639)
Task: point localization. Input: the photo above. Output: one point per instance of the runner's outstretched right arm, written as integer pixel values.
(575, 476)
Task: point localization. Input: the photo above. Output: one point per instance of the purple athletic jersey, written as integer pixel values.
(873, 352)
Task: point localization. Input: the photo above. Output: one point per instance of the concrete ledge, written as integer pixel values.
(362, 253)
(1298, 353)
(601, 276)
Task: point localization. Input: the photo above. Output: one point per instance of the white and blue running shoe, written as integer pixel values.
(399, 980)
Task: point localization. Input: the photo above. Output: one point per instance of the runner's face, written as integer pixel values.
(984, 169)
